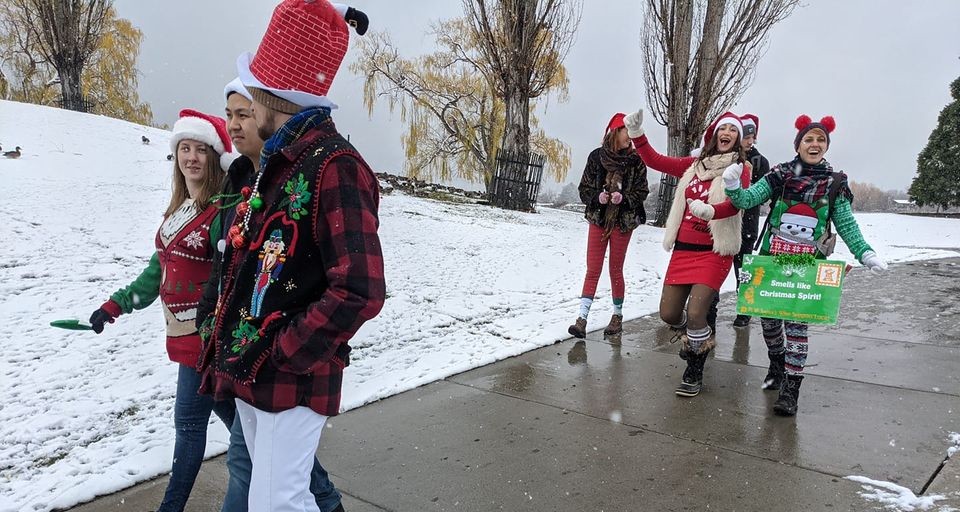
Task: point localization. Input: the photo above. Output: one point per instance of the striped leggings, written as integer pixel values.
(596, 249)
(788, 338)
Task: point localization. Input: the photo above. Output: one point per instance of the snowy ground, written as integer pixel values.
(85, 415)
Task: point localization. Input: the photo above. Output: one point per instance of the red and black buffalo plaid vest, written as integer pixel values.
(280, 272)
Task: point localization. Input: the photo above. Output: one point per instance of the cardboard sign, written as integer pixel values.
(795, 292)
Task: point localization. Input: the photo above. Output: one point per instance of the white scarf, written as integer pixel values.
(725, 232)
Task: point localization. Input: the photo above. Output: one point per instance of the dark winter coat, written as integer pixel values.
(240, 175)
(751, 217)
(635, 190)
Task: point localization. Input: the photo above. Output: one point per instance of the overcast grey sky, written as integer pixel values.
(880, 67)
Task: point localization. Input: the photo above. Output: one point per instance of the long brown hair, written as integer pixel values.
(711, 148)
(212, 180)
(610, 140)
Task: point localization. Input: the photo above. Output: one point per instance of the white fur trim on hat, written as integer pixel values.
(236, 86)
(341, 8)
(735, 121)
(303, 99)
(194, 128)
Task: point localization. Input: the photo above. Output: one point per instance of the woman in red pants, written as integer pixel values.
(702, 231)
(613, 187)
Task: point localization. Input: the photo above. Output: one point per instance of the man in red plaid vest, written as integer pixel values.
(302, 266)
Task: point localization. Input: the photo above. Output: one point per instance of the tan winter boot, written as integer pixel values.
(579, 328)
(615, 326)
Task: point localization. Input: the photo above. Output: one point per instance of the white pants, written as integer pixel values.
(282, 446)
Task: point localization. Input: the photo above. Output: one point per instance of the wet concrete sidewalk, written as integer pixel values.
(594, 425)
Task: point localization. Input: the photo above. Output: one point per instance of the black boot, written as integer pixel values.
(775, 374)
(786, 404)
(741, 321)
(692, 380)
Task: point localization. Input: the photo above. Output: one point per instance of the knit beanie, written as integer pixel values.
(804, 124)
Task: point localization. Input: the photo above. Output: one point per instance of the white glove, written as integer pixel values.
(633, 123)
(700, 209)
(873, 262)
(731, 176)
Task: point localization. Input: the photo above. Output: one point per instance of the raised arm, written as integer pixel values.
(673, 166)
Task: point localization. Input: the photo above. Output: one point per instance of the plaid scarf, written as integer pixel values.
(799, 181)
(292, 130)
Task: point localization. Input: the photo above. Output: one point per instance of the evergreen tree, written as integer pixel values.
(938, 166)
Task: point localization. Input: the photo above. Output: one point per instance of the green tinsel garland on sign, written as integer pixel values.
(794, 259)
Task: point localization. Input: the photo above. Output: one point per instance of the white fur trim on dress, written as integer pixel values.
(197, 129)
(303, 99)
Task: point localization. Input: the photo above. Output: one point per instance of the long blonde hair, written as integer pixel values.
(212, 181)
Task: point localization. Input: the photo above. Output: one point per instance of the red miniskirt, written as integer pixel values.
(698, 267)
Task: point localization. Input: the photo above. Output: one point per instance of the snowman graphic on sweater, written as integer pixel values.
(795, 234)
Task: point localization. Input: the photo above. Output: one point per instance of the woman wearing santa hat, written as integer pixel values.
(176, 274)
(808, 195)
(613, 188)
(702, 231)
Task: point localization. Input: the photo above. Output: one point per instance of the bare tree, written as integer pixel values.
(455, 120)
(66, 33)
(698, 58)
(522, 45)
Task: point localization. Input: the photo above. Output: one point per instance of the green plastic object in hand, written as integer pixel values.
(72, 324)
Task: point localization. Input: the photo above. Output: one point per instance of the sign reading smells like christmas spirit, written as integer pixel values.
(794, 287)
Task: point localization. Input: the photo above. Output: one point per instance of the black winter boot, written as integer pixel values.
(775, 374)
(786, 404)
(741, 321)
(692, 380)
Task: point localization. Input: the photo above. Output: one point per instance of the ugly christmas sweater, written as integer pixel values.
(176, 274)
(310, 274)
(800, 214)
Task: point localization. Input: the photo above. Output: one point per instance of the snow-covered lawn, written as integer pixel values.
(83, 415)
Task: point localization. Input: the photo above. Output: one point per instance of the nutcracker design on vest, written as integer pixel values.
(271, 259)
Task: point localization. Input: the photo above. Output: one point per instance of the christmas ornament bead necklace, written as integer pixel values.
(245, 209)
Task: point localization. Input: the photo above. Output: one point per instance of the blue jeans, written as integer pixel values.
(240, 467)
(191, 413)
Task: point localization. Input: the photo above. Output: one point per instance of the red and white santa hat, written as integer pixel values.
(725, 118)
(616, 122)
(800, 214)
(210, 130)
(299, 55)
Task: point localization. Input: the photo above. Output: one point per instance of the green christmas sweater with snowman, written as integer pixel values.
(801, 213)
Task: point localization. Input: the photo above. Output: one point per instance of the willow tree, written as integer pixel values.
(454, 117)
(109, 78)
(521, 45)
(67, 33)
(698, 58)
